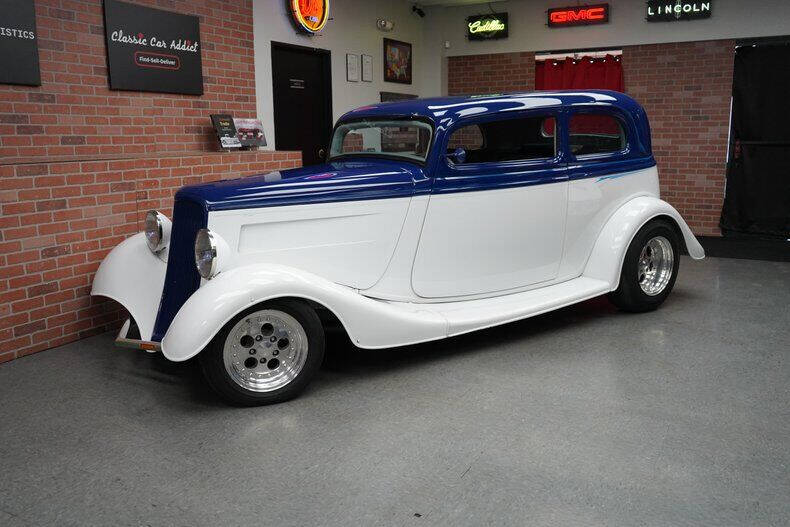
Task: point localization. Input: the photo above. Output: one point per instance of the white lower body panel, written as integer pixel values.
(463, 317)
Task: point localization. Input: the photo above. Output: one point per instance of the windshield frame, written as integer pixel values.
(380, 155)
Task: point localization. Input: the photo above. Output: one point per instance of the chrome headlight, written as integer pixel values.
(157, 230)
(206, 253)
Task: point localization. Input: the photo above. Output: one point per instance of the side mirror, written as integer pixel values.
(458, 156)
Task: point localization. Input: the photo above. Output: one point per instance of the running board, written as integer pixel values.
(471, 315)
(123, 342)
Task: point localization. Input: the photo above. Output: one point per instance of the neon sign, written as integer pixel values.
(671, 10)
(486, 27)
(310, 15)
(579, 15)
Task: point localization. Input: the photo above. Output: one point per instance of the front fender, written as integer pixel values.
(607, 255)
(370, 323)
(134, 277)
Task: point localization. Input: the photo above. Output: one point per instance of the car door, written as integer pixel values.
(606, 167)
(495, 220)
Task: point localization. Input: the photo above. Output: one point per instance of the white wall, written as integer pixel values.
(627, 26)
(352, 29)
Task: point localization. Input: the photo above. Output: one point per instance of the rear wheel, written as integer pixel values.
(267, 354)
(649, 269)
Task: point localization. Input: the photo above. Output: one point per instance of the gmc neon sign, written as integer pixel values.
(579, 15)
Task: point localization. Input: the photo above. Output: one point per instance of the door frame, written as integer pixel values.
(326, 73)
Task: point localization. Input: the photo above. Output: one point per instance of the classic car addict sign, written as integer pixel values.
(671, 10)
(152, 50)
(485, 27)
(586, 15)
(18, 43)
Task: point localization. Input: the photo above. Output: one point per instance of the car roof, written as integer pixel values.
(439, 108)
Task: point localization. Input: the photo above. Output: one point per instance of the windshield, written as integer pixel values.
(390, 138)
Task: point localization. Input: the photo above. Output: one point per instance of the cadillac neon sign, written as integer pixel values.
(485, 27)
(585, 15)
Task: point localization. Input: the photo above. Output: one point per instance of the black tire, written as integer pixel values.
(629, 295)
(213, 365)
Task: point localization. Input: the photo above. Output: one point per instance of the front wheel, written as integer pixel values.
(649, 269)
(267, 354)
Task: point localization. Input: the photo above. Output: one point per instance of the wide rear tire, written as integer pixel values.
(649, 269)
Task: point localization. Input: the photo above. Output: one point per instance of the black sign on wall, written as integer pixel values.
(671, 10)
(18, 43)
(152, 50)
(487, 27)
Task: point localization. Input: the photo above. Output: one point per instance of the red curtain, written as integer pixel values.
(577, 74)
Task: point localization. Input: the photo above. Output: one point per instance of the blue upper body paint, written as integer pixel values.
(368, 177)
(361, 179)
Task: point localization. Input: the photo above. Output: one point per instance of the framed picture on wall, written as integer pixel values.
(367, 68)
(352, 67)
(397, 61)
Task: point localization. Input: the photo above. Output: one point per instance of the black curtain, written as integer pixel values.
(757, 199)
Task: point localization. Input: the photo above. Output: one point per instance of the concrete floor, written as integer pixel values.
(585, 416)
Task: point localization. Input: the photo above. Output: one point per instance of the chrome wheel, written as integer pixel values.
(265, 350)
(655, 265)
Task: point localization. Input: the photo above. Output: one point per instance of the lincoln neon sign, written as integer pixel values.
(579, 15)
(668, 11)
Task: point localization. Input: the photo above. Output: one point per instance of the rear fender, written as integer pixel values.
(369, 323)
(607, 256)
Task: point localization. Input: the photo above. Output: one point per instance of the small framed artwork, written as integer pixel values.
(397, 61)
(352, 67)
(367, 68)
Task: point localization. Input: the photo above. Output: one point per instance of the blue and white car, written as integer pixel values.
(430, 218)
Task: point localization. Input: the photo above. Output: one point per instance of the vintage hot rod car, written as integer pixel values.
(430, 218)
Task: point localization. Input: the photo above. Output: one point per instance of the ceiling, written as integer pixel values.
(426, 3)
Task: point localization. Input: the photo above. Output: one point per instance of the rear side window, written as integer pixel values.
(592, 133)
(507, 140)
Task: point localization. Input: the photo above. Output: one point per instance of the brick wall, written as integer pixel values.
(81, 164)
(75, 113)
(685, 89)
(493, 73)
(60, 219)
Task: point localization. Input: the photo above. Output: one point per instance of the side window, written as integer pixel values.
(592, 133)
(468, 137)
(507, 140)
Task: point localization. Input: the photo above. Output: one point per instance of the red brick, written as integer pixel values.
(26, 329)
(59, 219)
(42, 289)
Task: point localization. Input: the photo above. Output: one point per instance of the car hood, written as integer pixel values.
(336, 181)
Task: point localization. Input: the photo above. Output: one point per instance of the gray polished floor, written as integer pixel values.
(585, 417)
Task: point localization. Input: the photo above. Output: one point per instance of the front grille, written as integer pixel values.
(182, 278)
